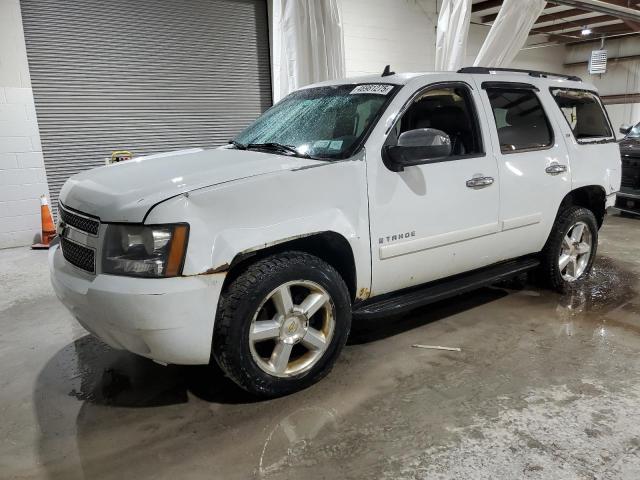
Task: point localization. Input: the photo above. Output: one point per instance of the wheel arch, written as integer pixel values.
(592, 197)
(329, 246)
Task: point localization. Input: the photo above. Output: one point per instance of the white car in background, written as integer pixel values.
(358, 198)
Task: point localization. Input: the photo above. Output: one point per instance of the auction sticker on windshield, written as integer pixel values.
(376, 88)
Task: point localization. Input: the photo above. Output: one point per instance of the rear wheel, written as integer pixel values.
(571, 248)
(282, 323)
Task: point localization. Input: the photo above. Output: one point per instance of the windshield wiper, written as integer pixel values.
(278, 147)
(238, 145)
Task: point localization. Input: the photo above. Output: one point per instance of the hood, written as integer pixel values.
(125, 192)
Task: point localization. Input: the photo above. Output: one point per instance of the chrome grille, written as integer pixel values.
(81, 223)
(81, 257)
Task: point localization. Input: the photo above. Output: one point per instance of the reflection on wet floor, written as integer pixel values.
(607, 286)
(310, 428)
(292, 434)
(544, 387)
(104, 376)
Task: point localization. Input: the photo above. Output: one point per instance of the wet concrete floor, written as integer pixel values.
(546, 386)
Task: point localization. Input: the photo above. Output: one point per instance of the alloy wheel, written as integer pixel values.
(292, 328)
(575, 252)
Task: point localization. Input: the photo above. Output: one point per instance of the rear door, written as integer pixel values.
(532, 161)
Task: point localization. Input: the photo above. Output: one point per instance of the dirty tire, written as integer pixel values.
(242, 298)
(549, 274)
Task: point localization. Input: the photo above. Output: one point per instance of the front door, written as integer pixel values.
(438, 218)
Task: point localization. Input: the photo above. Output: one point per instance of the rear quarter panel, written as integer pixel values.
(596, 164)
(591, 162)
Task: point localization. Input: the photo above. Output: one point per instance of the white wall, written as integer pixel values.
(22, 177)
(403, 33)
(546, 59)
(397, 32)
(623, 114)
(622, 77)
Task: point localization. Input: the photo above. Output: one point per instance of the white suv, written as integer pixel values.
(358, 198)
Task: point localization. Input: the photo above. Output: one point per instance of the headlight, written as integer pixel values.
(145, 251)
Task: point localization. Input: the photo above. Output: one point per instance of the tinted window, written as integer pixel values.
(520, 119)
(584, 113)
(449, 109)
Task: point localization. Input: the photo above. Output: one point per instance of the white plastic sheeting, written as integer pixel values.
(509, 32)
(452, 32)
(308, 44)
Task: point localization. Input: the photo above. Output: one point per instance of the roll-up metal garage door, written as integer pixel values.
(146, 76)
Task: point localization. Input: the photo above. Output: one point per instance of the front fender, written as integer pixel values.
(251, 214)
(235, 241)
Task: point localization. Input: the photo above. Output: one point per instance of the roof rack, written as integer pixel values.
(532, 73)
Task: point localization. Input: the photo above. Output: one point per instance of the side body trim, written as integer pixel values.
(523, 221)
(426, 243)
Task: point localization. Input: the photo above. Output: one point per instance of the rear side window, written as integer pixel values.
(520, 120)
(584, 114)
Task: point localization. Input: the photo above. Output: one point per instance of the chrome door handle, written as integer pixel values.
(479, 182)
(555, 169)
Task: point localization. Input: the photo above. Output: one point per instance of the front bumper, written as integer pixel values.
(169, 320)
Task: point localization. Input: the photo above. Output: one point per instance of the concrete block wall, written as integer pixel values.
(622, 77)
(22, 175)
(380, 32)
(623, 114)
(403, 33)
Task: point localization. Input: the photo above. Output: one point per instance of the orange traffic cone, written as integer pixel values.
(48, 227)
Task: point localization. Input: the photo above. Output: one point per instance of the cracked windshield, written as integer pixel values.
(325, 122)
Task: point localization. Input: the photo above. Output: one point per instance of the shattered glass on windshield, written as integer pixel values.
(324, 122)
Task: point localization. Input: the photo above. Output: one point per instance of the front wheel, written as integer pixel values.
(282, 323)
(571, 248)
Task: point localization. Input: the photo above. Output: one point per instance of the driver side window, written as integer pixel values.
(448, 109)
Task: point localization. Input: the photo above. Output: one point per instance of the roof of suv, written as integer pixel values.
(507, 75)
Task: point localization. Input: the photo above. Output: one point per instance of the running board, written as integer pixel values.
(408, 299)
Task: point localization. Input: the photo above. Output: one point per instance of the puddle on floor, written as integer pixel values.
(607, 287)
(606, 298)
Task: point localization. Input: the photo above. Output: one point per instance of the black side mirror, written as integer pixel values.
(416, 147)
(625, 129)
